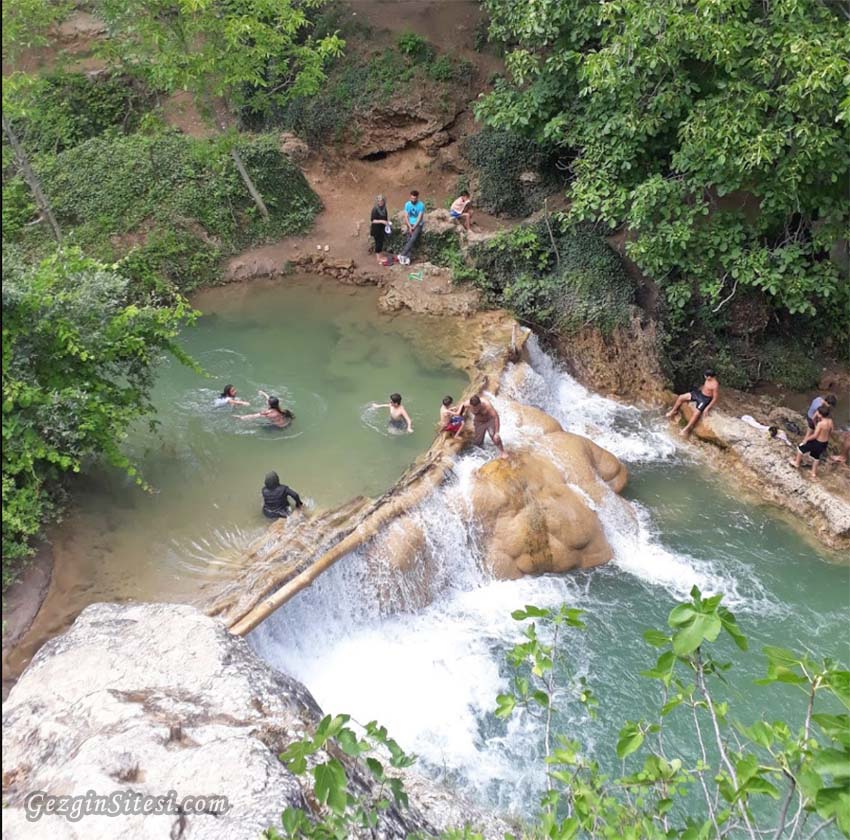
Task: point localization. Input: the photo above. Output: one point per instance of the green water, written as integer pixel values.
(327, 353)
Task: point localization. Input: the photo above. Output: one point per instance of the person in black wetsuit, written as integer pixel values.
(276, 497)
(380, 224)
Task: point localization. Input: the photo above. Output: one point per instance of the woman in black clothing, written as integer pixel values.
(380, 226)
(276, 497)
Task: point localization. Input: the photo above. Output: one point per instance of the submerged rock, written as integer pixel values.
(159, 697)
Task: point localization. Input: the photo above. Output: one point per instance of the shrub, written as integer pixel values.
(59, 110)
(501, 158)
(182, 196)
(79, 348)
(581, 281)
(415, 47)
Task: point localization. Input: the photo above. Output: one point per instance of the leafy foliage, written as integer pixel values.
(179, 197)
(59, 110)
(716, 131)
(782, 779)
(503, 159)
(580, 281)
(251, 52)
(79, 349)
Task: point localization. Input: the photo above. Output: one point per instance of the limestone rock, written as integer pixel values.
(159, 697)
(535, 510)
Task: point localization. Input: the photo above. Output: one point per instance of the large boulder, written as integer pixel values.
(536, 509)
(155, 698)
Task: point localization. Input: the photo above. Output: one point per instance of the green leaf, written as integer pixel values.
(629, 740)
(692, 635)
(505, 705)
(330, 785)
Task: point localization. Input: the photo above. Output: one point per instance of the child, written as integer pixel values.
(460, 210)
(451, 417)
(399, 418)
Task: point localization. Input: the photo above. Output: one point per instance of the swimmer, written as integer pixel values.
(704, 399)
(228, 397)
(816, 440)
(399, 418)
(281, 417)
(451, 417)
(276, 497)
(485, 420)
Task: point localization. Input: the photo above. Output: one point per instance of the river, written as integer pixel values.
(431, 676)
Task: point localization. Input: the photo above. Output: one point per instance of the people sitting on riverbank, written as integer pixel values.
(451, 417)
(817, 402)
(380, 227)
(228, 397)
(414, 220)
(703, 398)
(816, 440)
(460, 210)
(399, 418)
(485, 420)
(280, 417)
(276, 497)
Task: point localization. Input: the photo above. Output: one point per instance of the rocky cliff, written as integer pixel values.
(152, 698)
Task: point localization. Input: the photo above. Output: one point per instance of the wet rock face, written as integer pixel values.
(536, 509)
(159, 697)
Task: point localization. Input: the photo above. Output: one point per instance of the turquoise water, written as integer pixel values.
(432, 676)
(327, 353)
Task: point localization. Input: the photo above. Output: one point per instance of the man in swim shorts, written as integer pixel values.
(817, 402)
(451, 417)
(460, 211)
(485, 420)
(816, 441)
(703, 398)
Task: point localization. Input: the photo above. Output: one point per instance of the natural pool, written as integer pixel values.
(431, 676)
(327, 352)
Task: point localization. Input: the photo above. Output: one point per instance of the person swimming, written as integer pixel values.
(276, 497)
(451, 417)
(399, 418)
(228, 397)
(280, 417)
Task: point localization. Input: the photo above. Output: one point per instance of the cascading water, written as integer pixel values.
(364, 645)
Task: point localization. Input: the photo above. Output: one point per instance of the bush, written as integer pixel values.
(60, 110)
(583, 283)
(501, 158)
(79, 348)
(181, 197)
(415, 47)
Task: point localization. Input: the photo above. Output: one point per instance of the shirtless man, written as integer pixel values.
(816, 440)
(485, 419)
(399, 418)
(704, 399)
(843, 456)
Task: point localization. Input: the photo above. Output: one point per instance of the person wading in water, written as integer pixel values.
(276, 497)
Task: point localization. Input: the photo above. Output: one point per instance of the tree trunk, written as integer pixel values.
(32, 179)
(249, 183)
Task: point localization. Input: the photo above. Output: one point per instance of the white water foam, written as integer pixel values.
(361, 643)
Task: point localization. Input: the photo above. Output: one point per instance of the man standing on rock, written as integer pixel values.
(817, 440)
(414, 219)
(485, 420)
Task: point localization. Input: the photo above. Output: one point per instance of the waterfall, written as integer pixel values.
(363, 642)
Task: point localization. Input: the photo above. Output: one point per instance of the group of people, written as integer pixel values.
(381, 225)
(453, 419)
(818, 419)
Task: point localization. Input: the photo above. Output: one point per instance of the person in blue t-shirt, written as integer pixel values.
(817, 402)
(414, 219)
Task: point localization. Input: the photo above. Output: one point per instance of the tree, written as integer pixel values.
(228, 53)
(717, 131)
(25, 23)
(79, 350)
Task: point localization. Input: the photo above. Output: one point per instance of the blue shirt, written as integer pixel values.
(414, 212)
(817, 402)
